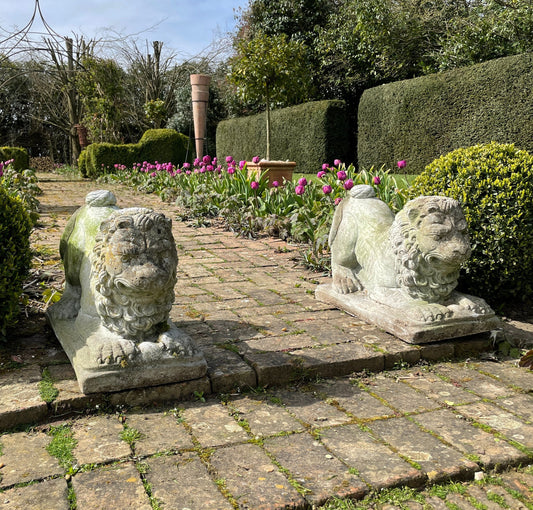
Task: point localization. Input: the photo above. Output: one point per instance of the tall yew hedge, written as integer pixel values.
(421, 119)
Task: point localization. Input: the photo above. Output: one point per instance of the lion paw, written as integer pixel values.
(113, 351)
(345, 281)
(430, 312)
(474, 305)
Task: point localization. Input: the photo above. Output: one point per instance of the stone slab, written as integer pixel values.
(42, 496)
(151, 370)
(438, 461)
(20, 401)
(25, 458)
(264, 417)
(471, 440)
(118, 486)
(312, 466)
(227, 370)
(182, 481)
(160, 432)
(369, 457)
(393, 320)
(253, 480)
(98, 440)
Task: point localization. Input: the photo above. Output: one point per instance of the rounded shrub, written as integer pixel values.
(494, 185)
(15, 254)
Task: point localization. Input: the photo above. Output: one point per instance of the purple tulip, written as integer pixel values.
(321, 174)
(327, 189)
(376, 179)
(402, 163)
(325, 166)
(229, 159)
(338, 200)
(231, 170)
(302, 181)
(206, 159)
(348, 184)
(341, 175)
(275, 184)
(256, 159)
(153, 174)
(337, 162)
(241, 164)
(254, 185)
(299, 190)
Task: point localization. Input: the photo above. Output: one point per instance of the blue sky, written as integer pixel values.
(186, 26)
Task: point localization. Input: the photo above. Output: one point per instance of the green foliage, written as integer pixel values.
(62, 445)
(155, 145)
(22, 185)
(309, 134)
(155, 112)
(15, 254)
(21, 160)
(494, 185)
(418, 120)
(272, 69)
(47, 391)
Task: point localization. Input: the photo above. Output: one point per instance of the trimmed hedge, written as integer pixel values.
(20, 156)
(309, 134)
(163, 145)
(421, 119)
(15, 254)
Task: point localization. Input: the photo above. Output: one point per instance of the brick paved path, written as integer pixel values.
(244, 437)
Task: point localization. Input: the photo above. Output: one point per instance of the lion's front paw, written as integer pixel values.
(113, 351)
(345, 281)
(474, 305)
(430, 312)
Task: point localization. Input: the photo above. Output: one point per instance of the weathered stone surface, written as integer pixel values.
(160, 433)
(508, 373)
(400, 396)
(312, 466)
(99, 441)
(264, 417)
(471, 440)
(50, 494)
(369, 458)
(25, 458)
(20, 401)
(227, 370)
(521, 404)
(356, 401)
(438, 461)
(438, 389)
(501, 421)
(113, 317)
(253, 480)
(182, 481)
(212, 425)
(312, 410)
(397, 323)
(117, 486)
(157, 394)
(477, 383)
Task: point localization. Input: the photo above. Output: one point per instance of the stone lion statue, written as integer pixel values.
(120, 273)
(410, 261)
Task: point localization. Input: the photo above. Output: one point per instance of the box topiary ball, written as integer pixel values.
(494, 185)
(15, 254)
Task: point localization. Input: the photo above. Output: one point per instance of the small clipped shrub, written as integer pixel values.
(20, 157)
(494, 185)
(15, 254)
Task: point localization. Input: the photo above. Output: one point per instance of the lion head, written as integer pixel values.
(133, 275)
(430, 241)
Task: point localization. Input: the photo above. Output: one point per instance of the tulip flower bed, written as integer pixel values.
(299, 210)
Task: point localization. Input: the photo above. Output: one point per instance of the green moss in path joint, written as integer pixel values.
(47, 391)
(62, 445)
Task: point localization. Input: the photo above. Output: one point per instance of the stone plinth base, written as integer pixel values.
(151, 364)
(394, 321)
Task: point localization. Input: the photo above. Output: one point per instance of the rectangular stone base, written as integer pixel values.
(394, 322)
(147, 372)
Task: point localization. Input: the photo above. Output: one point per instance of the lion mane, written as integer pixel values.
(417, 272)
(129, 242)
